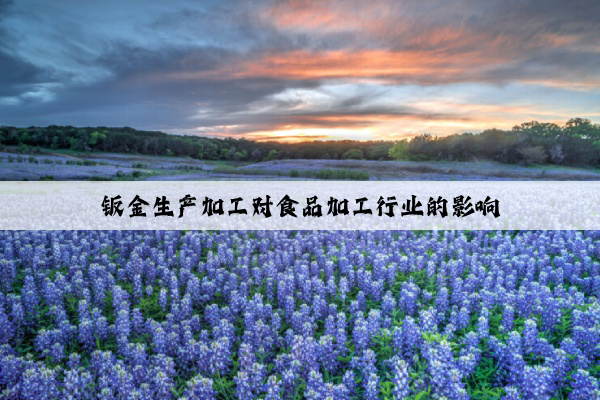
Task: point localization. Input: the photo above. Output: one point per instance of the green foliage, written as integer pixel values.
(98, 178)
(354, 154)
(533, 155)
(399, 150)
(272, 155)
(342, 174)
(47, 178)
(96, 137)
(575, 143)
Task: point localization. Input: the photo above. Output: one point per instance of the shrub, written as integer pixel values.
(353, 154)
(342, 174)
(532, 155)
(99, 178)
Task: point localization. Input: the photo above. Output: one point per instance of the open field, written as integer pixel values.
(112, 166)
(299, 315)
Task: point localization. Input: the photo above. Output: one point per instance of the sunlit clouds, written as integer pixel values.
(300, 70)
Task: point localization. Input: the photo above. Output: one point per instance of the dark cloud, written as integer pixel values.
(17, 75)
(5, 6)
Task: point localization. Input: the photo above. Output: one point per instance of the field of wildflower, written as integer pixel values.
(299, 314)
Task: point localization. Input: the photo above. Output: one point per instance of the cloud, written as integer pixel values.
(328, 67)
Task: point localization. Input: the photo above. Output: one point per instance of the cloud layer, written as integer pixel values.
(299, 69)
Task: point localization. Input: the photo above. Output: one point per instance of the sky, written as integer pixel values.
(299, 70)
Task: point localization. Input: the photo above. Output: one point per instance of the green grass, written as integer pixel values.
(323, 174)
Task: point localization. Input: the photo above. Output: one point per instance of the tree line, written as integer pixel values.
(575, 143)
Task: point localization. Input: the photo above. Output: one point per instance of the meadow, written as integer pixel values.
(299, 314)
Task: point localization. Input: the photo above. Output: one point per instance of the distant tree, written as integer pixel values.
(256, 154)
(378, 151)
(546, 129)
(399, 151)
(582, 128)
(96, 137)
(532, 155)
(557, 156)
(353, 154)
(420, 147)
(231, 154)
(73, 143)
(272, 155)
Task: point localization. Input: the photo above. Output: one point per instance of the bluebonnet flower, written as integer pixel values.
(537, 382)
(162, 299)
(467, 363)
(559, 364)
(327, 354)
(343, 288)
(57, 352)
(122, 324)
(220, 358)
(39, 383)
(483, 329)
(584, 386)
(529, 335)
(512, 393)
(372, 387)
(30, 297)
(360, 334)
(74, 361)
(243, 386)
(159, 339)
(246, 357)
(11, 369)
(374, 322)
(401, 380)
(77, 385)
(274, 387)
(463, 318)
(508, 318)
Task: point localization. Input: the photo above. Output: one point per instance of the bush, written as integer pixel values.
(342, 174)
(99, 178)
(532, 155)
(353, 154)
